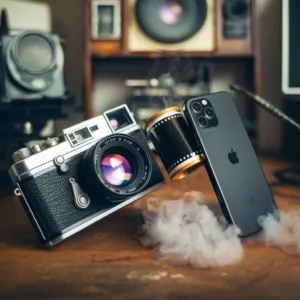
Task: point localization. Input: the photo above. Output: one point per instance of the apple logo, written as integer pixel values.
(233, 157)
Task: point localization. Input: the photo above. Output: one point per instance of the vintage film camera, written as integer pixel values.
(31, 66)
(89, 171)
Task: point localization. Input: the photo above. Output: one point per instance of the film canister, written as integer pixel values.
(174, 142)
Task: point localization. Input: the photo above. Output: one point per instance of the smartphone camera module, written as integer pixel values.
(203, 112)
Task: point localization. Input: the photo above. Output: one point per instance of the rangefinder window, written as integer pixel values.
(119, 119)
(79, 136)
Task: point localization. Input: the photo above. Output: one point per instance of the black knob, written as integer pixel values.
(63, 168)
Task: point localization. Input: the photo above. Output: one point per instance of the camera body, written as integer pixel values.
(31, 66)
(89, 171)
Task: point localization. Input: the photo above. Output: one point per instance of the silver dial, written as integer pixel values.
(50, 142)
(21, 154)
(36, 149)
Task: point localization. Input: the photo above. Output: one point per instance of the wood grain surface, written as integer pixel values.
(106, 261)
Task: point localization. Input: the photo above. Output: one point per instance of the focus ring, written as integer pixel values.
(118, 145)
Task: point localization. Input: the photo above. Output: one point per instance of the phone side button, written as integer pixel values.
(222, 204)
(197, 140)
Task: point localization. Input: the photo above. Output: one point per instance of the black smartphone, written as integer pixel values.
(230, 160)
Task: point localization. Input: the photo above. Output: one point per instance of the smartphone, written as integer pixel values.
(230, 160)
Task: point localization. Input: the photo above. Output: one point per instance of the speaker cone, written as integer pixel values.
(171, 21)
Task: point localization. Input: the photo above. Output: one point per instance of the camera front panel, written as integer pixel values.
(51, 198)
(51, 201)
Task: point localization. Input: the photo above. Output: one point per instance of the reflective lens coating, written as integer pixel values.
(196, 107)
(116, 169)
(209, 112)
(171, 12)
(35, 52)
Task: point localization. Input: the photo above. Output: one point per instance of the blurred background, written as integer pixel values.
(96, 54)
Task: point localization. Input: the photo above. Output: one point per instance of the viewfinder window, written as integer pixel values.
(81, 135)
(119, 119)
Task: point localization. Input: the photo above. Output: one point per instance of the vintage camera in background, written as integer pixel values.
(31, 66)
(33, 94)
(89, 171)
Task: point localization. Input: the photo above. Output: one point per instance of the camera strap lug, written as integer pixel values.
(81, 199)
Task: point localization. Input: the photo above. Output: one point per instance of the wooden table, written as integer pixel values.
(106, 261)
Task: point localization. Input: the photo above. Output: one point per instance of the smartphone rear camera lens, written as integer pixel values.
(196, 106)
(209, 112)
(203, 122)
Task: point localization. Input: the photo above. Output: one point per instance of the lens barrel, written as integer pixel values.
(118, 166)
(174, 142)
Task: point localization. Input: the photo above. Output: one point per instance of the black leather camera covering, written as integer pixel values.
(51, 200)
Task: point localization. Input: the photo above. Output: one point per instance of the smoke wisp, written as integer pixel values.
(189, 231)
(281, 231)
(186, 231)
(167, 82)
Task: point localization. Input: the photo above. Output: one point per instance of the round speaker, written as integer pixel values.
(170, 21)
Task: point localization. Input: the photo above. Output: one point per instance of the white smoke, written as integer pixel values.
(188, 231)
(167, 82)
(282, 232)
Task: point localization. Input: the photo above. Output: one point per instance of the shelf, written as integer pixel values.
(43, 103)
(113, 49)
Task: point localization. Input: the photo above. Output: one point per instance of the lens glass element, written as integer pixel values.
(196, 106)
(209, 112)
(203, 122)
(116, 169)
(171, 12)
(119, 119)
(35, 52)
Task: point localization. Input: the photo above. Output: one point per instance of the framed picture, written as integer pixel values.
(106, 19)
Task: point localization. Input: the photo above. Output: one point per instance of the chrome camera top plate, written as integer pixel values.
(72, 141)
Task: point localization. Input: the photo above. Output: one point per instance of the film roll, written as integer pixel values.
(174, 142)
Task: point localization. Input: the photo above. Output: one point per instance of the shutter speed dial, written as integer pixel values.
(50, 142)
(25, 152)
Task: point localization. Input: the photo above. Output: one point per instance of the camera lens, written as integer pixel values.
(203, 122)
(209, 112)
(117, 166)
(35, 52)
(196, 106)
(117, 169)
